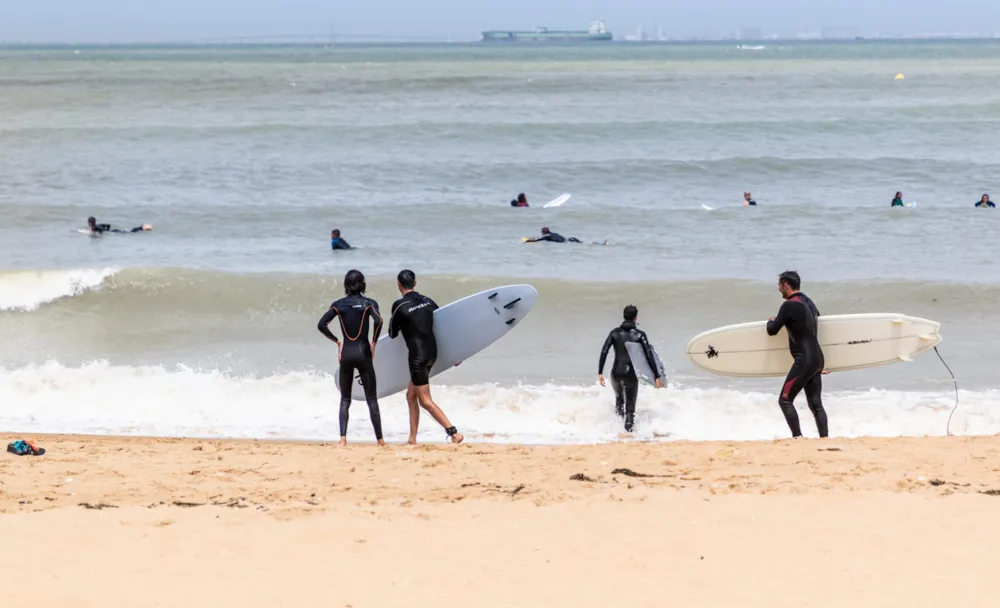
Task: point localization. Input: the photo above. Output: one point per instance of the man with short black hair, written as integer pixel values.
(800, 317)
(413, 315)
(623, 377)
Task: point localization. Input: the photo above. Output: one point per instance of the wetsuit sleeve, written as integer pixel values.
(433, 304)
(377, 317)
(102, 228)
(604, 355)
(344, 244)
(784, 316)
(393, 323)
(325, 322)
(648, 350)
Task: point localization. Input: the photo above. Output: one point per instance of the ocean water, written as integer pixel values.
(244, 158)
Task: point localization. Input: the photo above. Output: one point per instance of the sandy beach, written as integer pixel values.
(105, 521)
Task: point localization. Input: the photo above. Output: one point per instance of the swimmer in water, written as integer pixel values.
(102, 228)
(520, 201)
(336, 242)
(800, 318)
(898, 201)
(413, 316)
(552, 237)
(355, 353)
(748, 201)
(985, 202)
(623, 378)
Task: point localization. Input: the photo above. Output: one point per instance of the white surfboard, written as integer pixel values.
(642, 370)
(557, 201)
(462, 329)
(848, 342)
(707, 208)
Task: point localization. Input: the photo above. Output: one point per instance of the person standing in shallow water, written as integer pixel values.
(355, 353)
(800, 317)
(623, 378)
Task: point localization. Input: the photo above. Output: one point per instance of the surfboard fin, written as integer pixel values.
(927, 337)
(511, 321)
(905, 358)
(492, 296)
(898, 321)
(510, 305)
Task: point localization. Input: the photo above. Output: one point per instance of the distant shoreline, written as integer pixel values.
(298, 42)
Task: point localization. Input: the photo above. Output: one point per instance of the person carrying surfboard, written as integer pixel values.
(413, 315)
(623, 378)
(800, 318)
(355, 353)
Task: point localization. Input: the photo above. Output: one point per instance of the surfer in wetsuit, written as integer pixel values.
(552, 237)
(520, 201)
(336, 242)
(800, 318)
(748, 201)
(355, 352)
(623, 378)
(898, 201)
(102, 228)
(985, 202)
(413, 315)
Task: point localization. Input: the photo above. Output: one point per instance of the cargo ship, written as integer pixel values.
(596, 33)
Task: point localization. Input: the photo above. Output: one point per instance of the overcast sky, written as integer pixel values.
(148, 20)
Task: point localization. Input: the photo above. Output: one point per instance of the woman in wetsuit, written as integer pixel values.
(356, 353)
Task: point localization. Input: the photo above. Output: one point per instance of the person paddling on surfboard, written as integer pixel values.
(800, 318)
(413, 315)
(96, 228)
(985, 202)
(520, 201)
(623, 378)
(552, 237)
(336, 242)
(355, 353)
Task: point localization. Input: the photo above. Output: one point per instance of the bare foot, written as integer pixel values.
(381, 443)
(343, 441)
(411, 441)
(457, 438)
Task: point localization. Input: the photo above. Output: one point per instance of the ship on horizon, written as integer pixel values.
(596, 33)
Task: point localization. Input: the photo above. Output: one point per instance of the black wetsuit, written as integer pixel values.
(986, 204)
(897, 202)
(356, 353)
(623, 378)
(751, 202)
(413, 314)
(100, 228)
(339, 243)
(552, 237)
(800, 317)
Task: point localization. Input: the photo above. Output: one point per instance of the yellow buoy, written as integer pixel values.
(900, 77)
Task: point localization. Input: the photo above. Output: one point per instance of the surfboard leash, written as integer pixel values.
(948, 426)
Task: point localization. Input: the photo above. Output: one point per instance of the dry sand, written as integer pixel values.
(158, 522)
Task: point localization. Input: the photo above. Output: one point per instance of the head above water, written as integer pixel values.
(354, 283)
(986, 198)
(746, 195)
(406, 280)
(631, 313)
(335, 233)
(789, 283)
(91, 222)
(521, 198)
(899, 195)
(546, 230)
